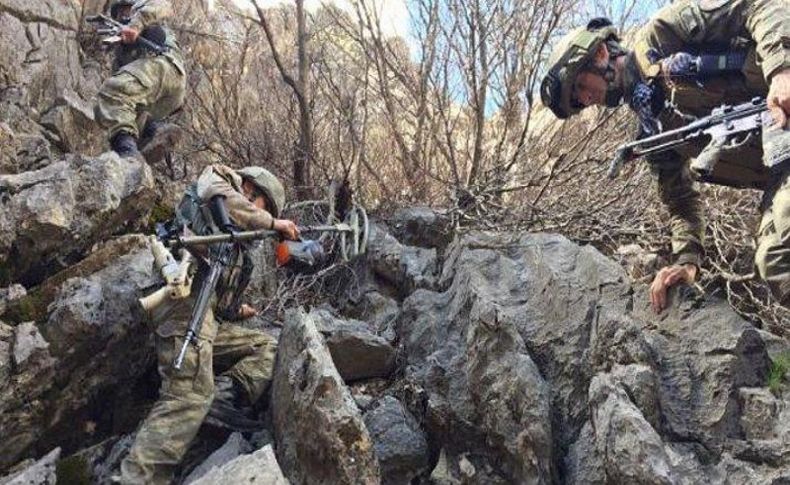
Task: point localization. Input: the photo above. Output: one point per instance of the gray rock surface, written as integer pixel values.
(606, 391)
(260, 467)
(309, 398)
(356, 351)
(65, 208)
(42, 472)
(233, 448)
(96, 341)
(405, 267)
(9, 295)
(400, 444)
(421, 226)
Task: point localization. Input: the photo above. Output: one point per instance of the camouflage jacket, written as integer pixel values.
(223, 180)
(146, 13)
(762, 27)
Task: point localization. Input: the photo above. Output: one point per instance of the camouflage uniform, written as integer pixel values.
(763, 28)
(185, 395)
(143, 82)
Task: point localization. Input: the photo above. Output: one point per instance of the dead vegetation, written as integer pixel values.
(446, 118)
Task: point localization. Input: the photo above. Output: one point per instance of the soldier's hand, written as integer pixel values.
(129, 35)
(779, 97)
(287, 228)
(246, 311)
(666, 278)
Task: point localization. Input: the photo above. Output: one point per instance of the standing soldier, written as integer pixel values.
(693, 55)
(248, 199)
(144, 84)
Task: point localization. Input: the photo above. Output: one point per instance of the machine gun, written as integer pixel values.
(728, 126)
(110, 30)
(221, 247)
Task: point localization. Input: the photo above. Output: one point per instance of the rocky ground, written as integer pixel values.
(454, 358)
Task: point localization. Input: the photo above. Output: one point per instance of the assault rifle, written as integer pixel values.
(111, 30)
(728, 126)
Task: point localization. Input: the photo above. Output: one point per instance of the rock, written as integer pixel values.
(759, 410)
(71, 124)
(6, 340)
(309, 398)
(10, 295)
(60, 211)
(379, 311)
(638, 262)
(41, 472)
(356, 351)
(400, 445)
(98, 344)
(259, 467)
(631, 449)
(421, 226)
(27, 341)
(233, 448)
(524, 320)
(405, 267)
(33, 152)
(96, 464)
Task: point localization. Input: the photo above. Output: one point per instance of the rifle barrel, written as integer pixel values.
(252, 235)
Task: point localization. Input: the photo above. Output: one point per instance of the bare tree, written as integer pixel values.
(301, 88)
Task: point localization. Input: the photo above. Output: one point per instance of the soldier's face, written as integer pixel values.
(590, 88)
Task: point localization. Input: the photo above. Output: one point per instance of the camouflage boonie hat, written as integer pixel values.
(573, 52)
(266, 182)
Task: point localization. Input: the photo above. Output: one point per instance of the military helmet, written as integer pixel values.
(266, 182)
(117, 4)
(574, 52)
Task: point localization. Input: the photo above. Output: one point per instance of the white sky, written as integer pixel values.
(394, 14)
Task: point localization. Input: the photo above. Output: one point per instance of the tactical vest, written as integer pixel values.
(194, 214)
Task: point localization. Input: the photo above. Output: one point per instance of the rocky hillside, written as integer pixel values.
(453, 358)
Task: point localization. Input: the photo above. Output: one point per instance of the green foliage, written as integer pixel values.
(73, 471)
(30, 308)
(780, 366)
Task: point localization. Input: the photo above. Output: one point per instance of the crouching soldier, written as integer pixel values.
(145, 86)
(692, 57)
(251, 198)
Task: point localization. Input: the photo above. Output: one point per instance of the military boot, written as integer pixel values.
(124, 144)
(230, 409)
(159, 138)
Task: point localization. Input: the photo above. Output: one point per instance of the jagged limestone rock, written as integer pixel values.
(259, 467)
(60, 211)
(309, 399)
(399, 442)
(357, 352)
(405, 267)
(96, 341)
(42, 472)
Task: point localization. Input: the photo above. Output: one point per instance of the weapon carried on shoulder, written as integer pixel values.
(110, 29)
(728, 126)
(221, 250)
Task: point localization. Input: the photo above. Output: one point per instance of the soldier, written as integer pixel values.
(696, 54)
(251, 198)
(143, 83)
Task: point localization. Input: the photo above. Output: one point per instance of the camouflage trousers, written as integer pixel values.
(772, 258)
(152, 85)
(185, 395)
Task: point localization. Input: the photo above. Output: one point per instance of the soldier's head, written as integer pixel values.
(263, 189)
(583, 70)
(121, 10)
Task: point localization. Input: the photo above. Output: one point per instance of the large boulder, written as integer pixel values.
(54, 215)
(41, 472)
(405, 267)
(539, 355)
(400, 444)
(91, 341)
(357, 352)
(309, 399)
